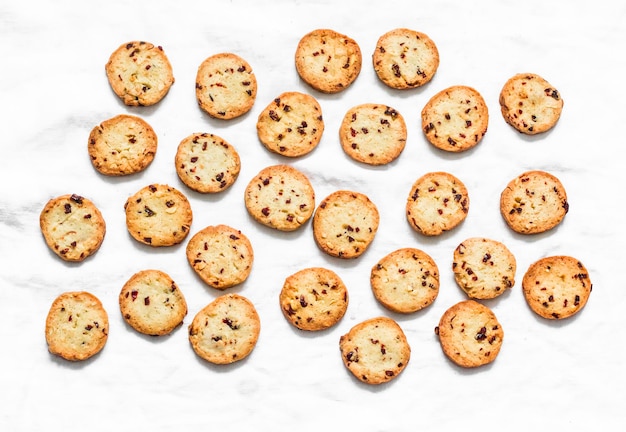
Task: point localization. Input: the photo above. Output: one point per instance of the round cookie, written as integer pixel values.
(373, 134)
(313, 299)
(556, 287)
(375, 351)
(77, 326)
(533, 202)
(483, 268)
(280, 197)
(327, 60)
(470, 334)
(438, 202)
(291, 125)
(139, 73)
(151, 303)
(226, 330)
(122, 145)
(221, 256)
(226, 86)
(72, 227)
(206, 163)
(405, 59)
(345, 224)
(530, 104)
(455, 119)
(158, 215)
(405, 280)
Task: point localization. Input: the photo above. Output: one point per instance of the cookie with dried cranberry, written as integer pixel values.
(77, 326)
(345, 224)
(405, 59)
(280, 197)
(72, 227)
(226, 86)
(556, 287)
(483, 268)
(374, 134)
(139, 73)
(375, 351)
(327, 60)
(438, 202)
(534, 202)
(151, 303)
(530, 104)
(207, 163)
(455, 119)
(470, 334)
(291, 125)
(158, 215)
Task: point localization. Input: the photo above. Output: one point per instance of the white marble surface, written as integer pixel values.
(549, 375)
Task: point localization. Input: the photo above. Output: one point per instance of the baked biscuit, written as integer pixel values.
(291, 125)
(226, 86)
(373, 134)
(226, 330)
(483, 268)
(530, 104)
(345, 224)
(375, 351)
(327, 60)
(556, 287)
(455, 119)
(280, 197)
(470, 334)
(122, 145)
(158, 215)
(534, 202)
(151, 303)
(405, 280)
(139, 73)
(313, 299)
(77, 326)
(206, 163)
(221, 256)
(438, 202)
(72, 227)
(405, 58)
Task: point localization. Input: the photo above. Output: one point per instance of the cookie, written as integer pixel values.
(375, 351)
(556, 287)
(207, 163)
(313, 299)
(291, 125)
(438, 202)
(122, 145)
(77, 326)
(226, 86)
(151, 303)
(483, 268)
(139, 73)
(226, 330)
(373, 134)
(280, 197)
(345, 224)
(405, 280)
(455, 119)
(534, 202)
(470, 334)
(158, 215)
(327, 60)
(405, 59)
(530, 104)
(72, 227)
(221, 256)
